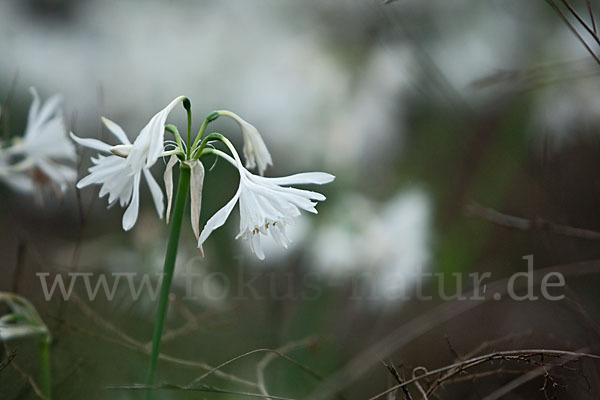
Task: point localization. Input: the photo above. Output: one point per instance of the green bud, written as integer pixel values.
(212, 116)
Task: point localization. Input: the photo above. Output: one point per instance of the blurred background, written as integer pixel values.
(434, 116)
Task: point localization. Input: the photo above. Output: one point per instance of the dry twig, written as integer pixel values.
(523, 224)
(510, 355)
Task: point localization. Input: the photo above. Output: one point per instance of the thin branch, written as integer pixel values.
(392, 369)
(527, 225)
(581, 21)
(516, 355)
(27, 377)
(573, 30)
(7, 360)
(414, 328)
(589, 7)
(521, 380)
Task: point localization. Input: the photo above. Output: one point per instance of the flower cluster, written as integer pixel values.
(267, 205)
(44, 156)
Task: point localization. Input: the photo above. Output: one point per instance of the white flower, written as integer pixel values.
(118, 179)
(149, 145)
(255, 150)
(266, 205)
(120, 173)
(23, 319)
(44, 155)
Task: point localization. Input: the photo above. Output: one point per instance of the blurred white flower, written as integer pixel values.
(22, 321)
(44, 155)
(118, 179)
(255, 150)
(266, 205)
(388, 244)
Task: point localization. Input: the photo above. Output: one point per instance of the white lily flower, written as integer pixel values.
(118, 179)
(149, 145)
(267, 205)
(45, 154)
(255, 150)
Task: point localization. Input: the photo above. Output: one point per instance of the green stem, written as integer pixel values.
(45, 380)
(161, 311)
(173, 129)
(189, 133)
(208, 138)
(209, 118)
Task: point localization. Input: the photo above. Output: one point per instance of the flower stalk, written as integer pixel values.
(45, 370)
(168, 270)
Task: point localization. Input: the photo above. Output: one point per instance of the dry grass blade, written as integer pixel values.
(249, 353)
(266, 360)
(201, 388)
(406, 333)
(132, 344)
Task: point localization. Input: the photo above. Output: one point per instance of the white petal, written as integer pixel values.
(121, 150)
(316, 178)
(217, 220)
(168, 177)
(156, 192)
(50, 108)
(148, 146)
(256, 246)
(196, 182)
(255, 150)
(116, 130)
(131, 214)
(34, 108)
(91, 143)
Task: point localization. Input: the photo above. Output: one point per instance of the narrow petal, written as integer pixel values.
(50, 108)
(157, 194)
(116, 130)
(315, 178)
(197, 180)
(255, 151)
(131, 214)
(168, 177)
(148, 146)
(34, 108)
(121, 150)
(257, 246)
(217, 220)
(91, 143)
